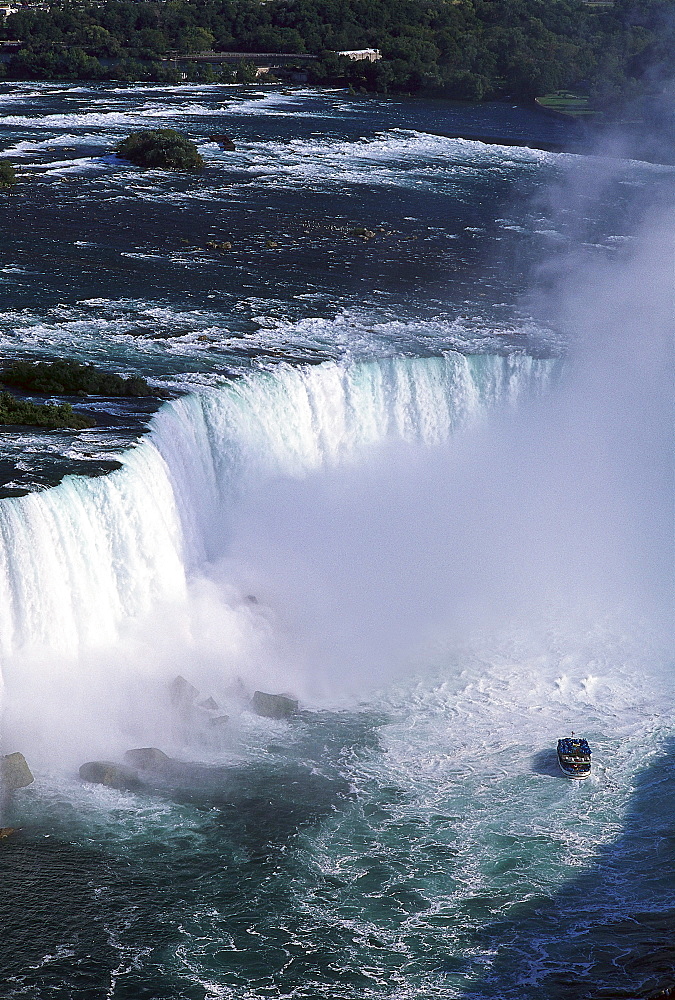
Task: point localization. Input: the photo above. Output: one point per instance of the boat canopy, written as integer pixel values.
(574, 748)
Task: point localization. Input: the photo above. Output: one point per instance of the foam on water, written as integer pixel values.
(120, 117)
(133, 332)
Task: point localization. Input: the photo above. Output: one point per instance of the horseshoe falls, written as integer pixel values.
(420, 482)
(108, 550)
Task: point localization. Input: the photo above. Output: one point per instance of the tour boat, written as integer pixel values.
(574, 757)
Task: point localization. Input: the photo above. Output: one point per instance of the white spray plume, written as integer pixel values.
(560, 511)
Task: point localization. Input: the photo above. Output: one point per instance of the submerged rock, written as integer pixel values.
(106, 772)
(273, 706)
(219, 246)
(7, 831)
(15, 772)
(147, 758)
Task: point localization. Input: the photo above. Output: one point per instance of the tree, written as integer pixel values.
(160, 149)
(7, 174)
(247, 72)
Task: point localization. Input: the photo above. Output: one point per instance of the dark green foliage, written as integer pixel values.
(69, 378)
(22, 412)
(160, 149)
(44, 61)
(246, 73)
(7, 174)
(470, 49)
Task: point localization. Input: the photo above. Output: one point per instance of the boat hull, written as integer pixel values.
(574, 758)
(574, 775)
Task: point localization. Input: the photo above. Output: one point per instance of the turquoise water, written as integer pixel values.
(442, 468)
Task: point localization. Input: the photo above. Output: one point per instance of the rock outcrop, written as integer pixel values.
(14, 772)
(147, 758)
(273, 706)
(188, 711)
(182, 694)
(223, 141)
(106, 772)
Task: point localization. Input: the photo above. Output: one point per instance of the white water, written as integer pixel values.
(84, 565)
(79, 558)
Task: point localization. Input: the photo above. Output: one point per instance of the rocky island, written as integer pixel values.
(160, 149)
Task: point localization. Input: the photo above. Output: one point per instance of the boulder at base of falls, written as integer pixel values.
(273, 706)
(182, 694)
(147, 759)
(105, 772)
(14, 772)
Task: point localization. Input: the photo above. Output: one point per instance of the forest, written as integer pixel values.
(463, 49)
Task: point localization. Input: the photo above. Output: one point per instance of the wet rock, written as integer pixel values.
(14, 772)
(209, 704)
(362, 233)
(219, 246)
(223, 141)
(273, 706)
(219, 720)
(147, 758)
(106, 772)
(237, 691)
(182, 693)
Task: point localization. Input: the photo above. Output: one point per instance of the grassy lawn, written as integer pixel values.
(564, 102)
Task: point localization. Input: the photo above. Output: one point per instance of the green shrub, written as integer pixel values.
(160, 149)
(7, 174)
(70, 378)
(23, 412)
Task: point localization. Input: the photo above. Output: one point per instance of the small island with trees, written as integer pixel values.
(58, 377)
(24, 413)
(160, 149)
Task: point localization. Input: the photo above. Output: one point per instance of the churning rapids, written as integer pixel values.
(439, 512)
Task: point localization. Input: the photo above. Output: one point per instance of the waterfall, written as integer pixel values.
(78, 559)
